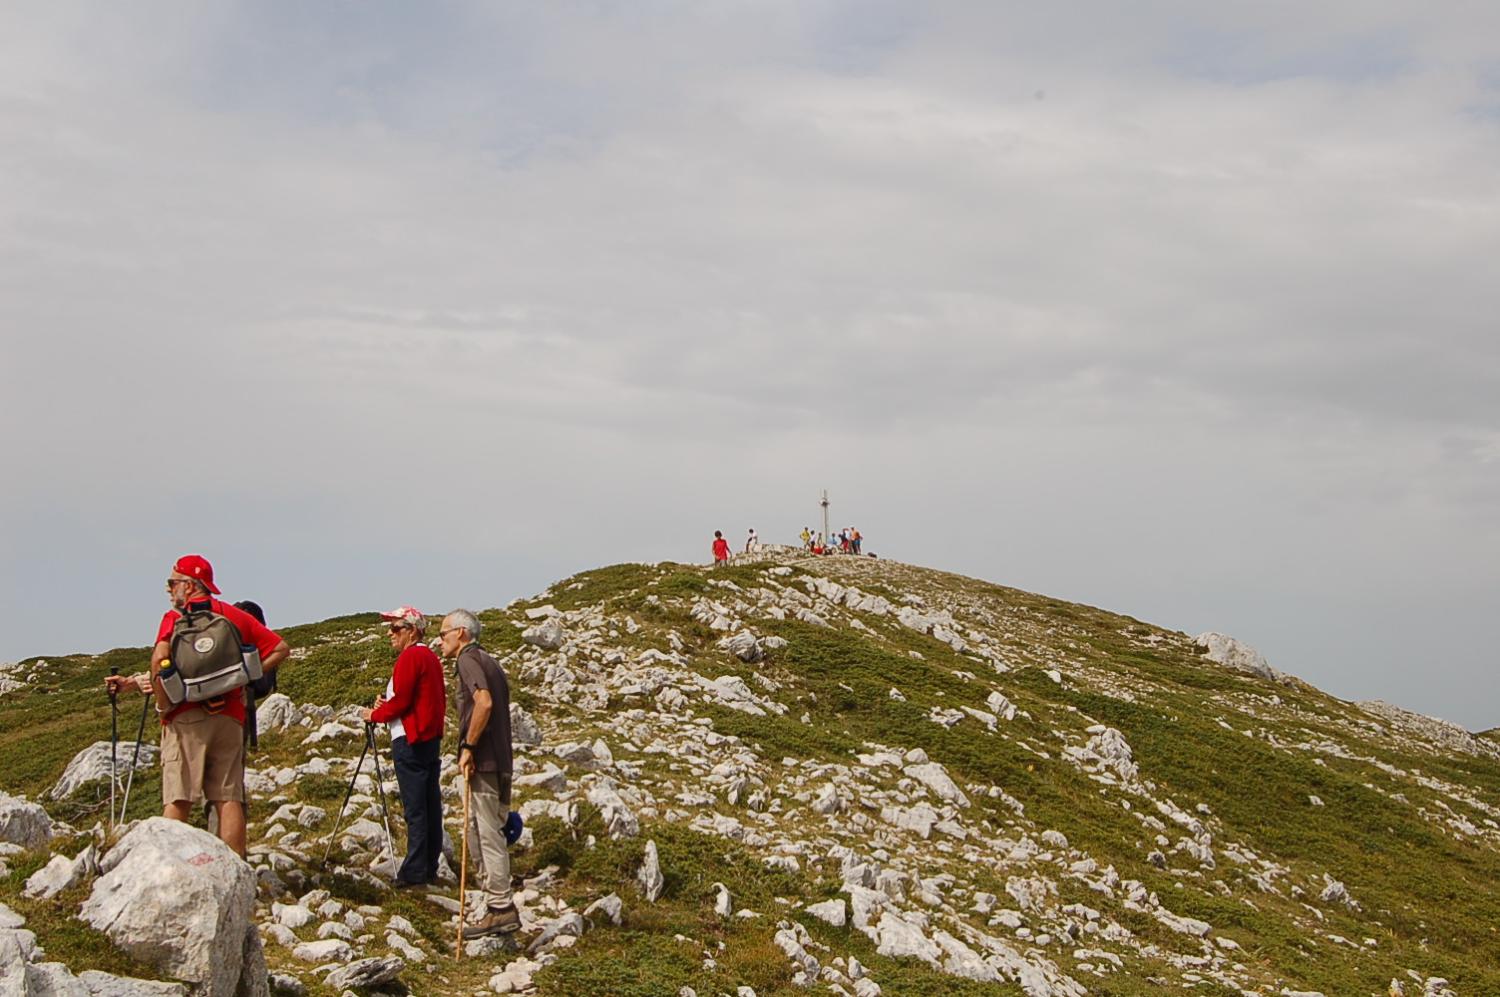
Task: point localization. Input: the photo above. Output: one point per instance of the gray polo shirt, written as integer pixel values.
(477, 670)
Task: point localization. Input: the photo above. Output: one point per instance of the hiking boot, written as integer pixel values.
(504, 921)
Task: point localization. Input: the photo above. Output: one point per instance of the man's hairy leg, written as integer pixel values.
(232, 824)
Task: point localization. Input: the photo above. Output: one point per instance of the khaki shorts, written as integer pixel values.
(202, 758)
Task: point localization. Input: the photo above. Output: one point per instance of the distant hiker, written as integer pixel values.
(202, 741)
(414, 705)
(854, 539)
(844, 540)
(807, 537)
(752, 542)
(721, 549)
(484, 758)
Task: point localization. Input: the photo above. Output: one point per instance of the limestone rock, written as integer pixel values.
(936, 778)
(610, 906)
(618, 819)
(1237, 655)
(24, 823)
(276, 712)
(744, 646)
(570, 924)
(100, 984)
(523, 726)
(62, 873)
(649, 877)
(899, 938)
(834, 912)
(366, 972)
(547, 635)
(326, 950)
(92, 764)
(177, 898)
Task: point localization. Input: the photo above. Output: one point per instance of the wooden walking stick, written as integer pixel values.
(463, 874)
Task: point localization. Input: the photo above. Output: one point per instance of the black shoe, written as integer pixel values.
(405, 884)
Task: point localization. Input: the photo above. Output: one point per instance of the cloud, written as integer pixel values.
(1183, 311)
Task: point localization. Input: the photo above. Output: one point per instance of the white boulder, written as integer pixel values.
(649, 876)
(179, 899)
(366, 973)
(1237, 655)
(936, 778)
(547, 635)
(24, 823)
(744, 646)
(834, 912)
(523, 726)
(62, 873)
(92, 764)
(617, 816)
(276, 712)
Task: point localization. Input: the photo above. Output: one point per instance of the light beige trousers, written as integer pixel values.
(487, 840)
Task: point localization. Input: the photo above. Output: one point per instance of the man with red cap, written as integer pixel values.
(203, 744)
(414, 705)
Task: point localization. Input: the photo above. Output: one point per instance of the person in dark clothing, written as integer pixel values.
(414, 706)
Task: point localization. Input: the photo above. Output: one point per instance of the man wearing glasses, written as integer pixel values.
(485, 759)
(203, 744)
(414, 704)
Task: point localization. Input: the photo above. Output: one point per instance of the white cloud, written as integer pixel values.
(1182, 311)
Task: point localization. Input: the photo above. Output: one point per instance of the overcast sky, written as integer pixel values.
(1186, 311)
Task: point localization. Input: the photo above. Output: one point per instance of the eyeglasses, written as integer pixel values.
(176, 581)
(398, 627)
(450, 630)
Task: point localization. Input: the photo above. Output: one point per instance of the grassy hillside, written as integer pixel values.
(1239, 802)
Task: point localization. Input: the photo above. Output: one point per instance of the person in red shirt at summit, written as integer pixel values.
(203, 744)
(721, 548)
(414, 705)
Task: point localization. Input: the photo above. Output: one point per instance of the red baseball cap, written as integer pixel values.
(196, 567)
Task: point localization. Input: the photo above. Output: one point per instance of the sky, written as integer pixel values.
(1185, 311)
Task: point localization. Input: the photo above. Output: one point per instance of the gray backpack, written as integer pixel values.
(208, 660)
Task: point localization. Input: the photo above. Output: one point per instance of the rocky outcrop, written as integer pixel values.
(23, 823)
(177, 898)
(23, 974)
(1449, 736)
(276, 712)
(1236, 655)
(92, 764)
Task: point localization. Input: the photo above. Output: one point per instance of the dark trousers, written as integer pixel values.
(417, 768)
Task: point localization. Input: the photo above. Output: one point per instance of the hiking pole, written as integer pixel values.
(463, 872)
(135, 757)
(114, 738)
(385, 809)
(353, 777)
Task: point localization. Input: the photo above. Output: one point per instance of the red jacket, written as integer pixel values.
(419, 698)
(721, 549)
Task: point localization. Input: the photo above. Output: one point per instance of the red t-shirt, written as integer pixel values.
(252, 631)
(721, 549)
(419, 696)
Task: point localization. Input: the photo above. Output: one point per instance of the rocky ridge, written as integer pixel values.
(722, 705)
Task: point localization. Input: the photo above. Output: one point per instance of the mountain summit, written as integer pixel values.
(826, 775)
